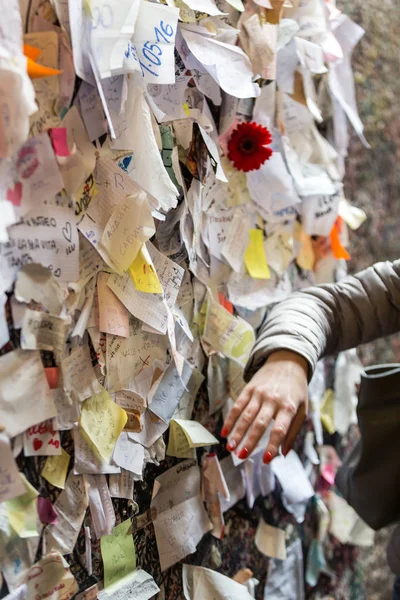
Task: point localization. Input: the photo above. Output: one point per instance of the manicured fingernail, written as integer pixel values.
(244, 453)
(231, 446)
(267, 458)
(224, 432)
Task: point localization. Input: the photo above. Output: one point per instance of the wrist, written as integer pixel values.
(284, 355)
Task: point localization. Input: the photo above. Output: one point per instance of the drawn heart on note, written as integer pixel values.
(67, 232)
(15, 195)
(37, 444)
(57, 272)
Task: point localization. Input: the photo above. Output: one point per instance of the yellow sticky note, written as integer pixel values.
(118, 553)
(178, 444)
(185, 435)
(254, 257)
(56, 468)
(22, 511)
(103, 420)
(327, 411)
(143, 273)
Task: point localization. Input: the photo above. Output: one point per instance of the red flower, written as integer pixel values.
(247, 146)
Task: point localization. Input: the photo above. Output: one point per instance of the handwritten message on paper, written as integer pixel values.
(118, 553)
(22, 370)
(56, 468)
(102, 420)
(88, 460)
(181, 517)
(139, 585)
(129, 226)
(51, 578)
(10, 481)
(79, 377)
(129, 455)
(41, 331)
(121, 485)
(151, 48)
(113, 316)
(171, 389)
(42, 440)
(49, 240)
(233, 336)
(71, 507)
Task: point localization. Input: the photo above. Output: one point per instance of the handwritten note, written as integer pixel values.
(150, 308)
(11, 484)
(230, 335)
(56, 468)
(20, 371)
(88, 460)
(170, 391)
(49, 240)
(42, 440)
(151, 48)
(71, 507)
(118, 553)
(181, 518)
(151, 431)
(79, 377)
(42, 331)
(139, 585)
(143, 273)
(187, 435)
(129, 455)
(129, 226)
(50, 578)
(102, 420)
(121, 485)
(112, 28)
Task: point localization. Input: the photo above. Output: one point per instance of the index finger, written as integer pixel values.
(241, 402)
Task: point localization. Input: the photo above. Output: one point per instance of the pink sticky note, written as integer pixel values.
(14, 195)
(52, 376)
(47, 512)
(328, 473)
(59, 140)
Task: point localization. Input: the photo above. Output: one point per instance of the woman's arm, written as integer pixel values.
(300, 330)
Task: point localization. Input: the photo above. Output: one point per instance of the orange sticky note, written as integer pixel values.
(338, 250)
(35, 70)
(31, 51)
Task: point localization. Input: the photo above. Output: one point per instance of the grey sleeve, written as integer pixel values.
(325, 319)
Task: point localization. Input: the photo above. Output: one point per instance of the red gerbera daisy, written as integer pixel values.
(247, 146)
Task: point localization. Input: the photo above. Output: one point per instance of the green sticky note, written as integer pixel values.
(118, 553)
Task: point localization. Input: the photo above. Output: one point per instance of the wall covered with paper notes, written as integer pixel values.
(169, 171)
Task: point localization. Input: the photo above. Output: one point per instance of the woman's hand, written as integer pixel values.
(279, 391)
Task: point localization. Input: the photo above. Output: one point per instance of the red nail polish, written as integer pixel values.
(224, 432)
(231, 446)
(267, 458)
(244, 453)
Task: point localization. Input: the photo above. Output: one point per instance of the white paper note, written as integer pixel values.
(22, 370)
(181, 518)
(51, 240)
